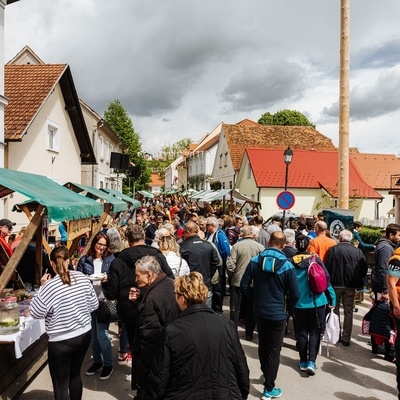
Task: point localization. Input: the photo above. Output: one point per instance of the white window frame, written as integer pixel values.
(52, 136)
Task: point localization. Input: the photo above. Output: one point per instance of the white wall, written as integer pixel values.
(31, 154)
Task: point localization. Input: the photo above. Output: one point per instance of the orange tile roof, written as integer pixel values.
(27, 87)
(248, 122)
(240, 137)
(155, 180)
(377, 168)
(308, 170)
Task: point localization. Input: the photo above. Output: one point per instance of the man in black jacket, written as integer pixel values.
(347, 266)
(121, 276)
(200, 255)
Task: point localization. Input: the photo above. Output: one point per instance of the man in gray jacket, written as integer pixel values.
(241, 254)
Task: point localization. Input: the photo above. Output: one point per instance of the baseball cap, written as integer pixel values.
(6, 222)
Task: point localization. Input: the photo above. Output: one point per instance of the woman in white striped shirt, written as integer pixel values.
(65, 302)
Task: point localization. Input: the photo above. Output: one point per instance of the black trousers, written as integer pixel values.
(270, 339)
(65, 362)
(309, 324)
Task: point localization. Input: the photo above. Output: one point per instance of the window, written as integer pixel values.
(248, 171)
(107, 153)
(230, 185)
(220, 160)
(111, 149)
(53, 136)
(101, 150)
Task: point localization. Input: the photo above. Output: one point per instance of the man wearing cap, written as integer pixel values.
(6, 227)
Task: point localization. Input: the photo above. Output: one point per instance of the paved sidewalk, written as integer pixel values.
(349, 373)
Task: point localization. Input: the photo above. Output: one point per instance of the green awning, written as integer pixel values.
(61, 203)
(93, 193)
(146, 194)
(135, 203)
(200, 195)
(213, 196)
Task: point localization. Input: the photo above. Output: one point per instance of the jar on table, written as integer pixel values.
(9, 315)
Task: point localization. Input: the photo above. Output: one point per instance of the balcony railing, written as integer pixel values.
(395, 183)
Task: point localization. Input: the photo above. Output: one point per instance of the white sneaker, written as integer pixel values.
(128, 378)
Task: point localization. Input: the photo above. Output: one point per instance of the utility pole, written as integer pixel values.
(344, 104)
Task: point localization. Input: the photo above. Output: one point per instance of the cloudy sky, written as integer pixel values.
(180, 67)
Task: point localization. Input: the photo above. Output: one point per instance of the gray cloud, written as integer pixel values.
(378, 99)
(265, 85)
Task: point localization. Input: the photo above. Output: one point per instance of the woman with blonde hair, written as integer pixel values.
(71, 294)
(170, 248)
(201, 356)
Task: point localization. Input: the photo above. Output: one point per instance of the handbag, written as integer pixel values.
(332, 331)
(107, 311)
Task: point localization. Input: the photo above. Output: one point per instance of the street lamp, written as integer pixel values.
(287, 158)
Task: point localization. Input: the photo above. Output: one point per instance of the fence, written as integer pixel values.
(381, 222)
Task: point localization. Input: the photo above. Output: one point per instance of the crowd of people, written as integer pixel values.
(170, 267)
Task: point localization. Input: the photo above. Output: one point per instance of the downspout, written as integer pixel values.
(377, 208)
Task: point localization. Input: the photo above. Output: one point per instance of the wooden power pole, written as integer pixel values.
(344, 104)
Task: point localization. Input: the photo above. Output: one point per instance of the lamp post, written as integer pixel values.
(287, 158)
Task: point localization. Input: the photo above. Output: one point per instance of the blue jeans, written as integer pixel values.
(101, 345)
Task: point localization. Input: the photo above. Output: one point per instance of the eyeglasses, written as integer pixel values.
(9, 228)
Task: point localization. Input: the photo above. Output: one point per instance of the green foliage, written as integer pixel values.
(121, 124)
(285, 117)
(266, 119)
(169, 153)
(370, 234)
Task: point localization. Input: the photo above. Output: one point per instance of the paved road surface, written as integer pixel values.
(349, 373)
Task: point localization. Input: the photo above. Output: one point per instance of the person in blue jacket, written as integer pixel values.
(310, 310)
(275, 290)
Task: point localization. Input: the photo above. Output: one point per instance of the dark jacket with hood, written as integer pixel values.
(347, 266)
(275, 280)
(200, 358)
(121, 276)
(383, 251)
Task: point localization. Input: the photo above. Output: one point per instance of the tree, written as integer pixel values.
(285, 117)
(121, 124)
(169, 153)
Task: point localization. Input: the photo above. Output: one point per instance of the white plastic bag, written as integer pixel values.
(332, 330)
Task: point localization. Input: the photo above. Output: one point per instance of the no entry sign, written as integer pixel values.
(285, 200)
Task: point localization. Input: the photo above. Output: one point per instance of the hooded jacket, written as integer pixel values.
(275, 280)
(383, 251)
(301, 261)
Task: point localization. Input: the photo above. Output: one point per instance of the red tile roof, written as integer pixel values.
(155, 180)
(240, 137)
(377, 168)
(308, 170)
(27, 87)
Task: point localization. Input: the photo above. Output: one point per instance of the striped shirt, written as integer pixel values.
(65, 308)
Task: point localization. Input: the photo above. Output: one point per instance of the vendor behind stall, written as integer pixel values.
(6, 226)
(27, 266)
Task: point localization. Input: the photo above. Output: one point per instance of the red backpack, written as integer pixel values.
(317, 278)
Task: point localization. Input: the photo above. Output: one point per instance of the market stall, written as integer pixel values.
(133, 204)
(24, 353)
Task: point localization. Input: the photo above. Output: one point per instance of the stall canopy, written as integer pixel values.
(200, 195)
(146, 194)
(124, 197)
(93, 193)
(61, 203)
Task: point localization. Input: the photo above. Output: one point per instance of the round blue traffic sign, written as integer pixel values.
(285, 200)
